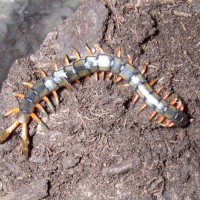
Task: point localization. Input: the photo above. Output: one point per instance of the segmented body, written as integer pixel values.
(82, 67)
(101, 62)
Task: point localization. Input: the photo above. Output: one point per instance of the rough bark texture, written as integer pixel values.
(97, 146)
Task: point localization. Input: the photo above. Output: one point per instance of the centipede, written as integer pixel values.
(100, 64)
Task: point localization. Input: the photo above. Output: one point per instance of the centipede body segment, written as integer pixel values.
(95, 62)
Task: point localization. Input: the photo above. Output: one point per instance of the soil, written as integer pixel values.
(97, 146)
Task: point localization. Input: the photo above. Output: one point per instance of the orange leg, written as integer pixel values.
(25, 141)
(96, 76)
(144, 71)
(134, 101)
(11, 112)
(180, 106)
(118, 79)
(42, 73)
(54, 92)
(76, 54)
(66, 60)
(154, 113)
(99, 49)
(55, 65)
(119, 52)
(89, 50)
(46, 99)
(69, 88)
(102, 75)
(9, 130)
(130, 59)
(39, 121)
(110, 74)
(38, 106)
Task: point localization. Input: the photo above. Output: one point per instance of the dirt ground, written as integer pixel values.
(97, 146)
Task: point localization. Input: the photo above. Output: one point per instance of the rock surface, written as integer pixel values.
(97, 146)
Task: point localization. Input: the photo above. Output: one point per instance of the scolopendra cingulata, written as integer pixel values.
(96, 61)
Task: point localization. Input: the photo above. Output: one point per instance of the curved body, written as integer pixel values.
(96, 63)
(82, 67)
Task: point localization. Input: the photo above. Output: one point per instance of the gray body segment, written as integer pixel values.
(102, 62)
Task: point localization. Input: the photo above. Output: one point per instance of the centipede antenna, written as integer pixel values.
(9, 130)
(11, 112)
(38, 120)
(25, 141)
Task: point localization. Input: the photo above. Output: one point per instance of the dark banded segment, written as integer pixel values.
(181, 119)
(80, 68)
(26, 106)
(153, 100)
(160, 106)
(136, 79)
(170, 112)
(32, 96)
(127, 71)
(60, 77)
(91, 63)
(116, 65)
(50, 83)
(70, 73)
(40, 89)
